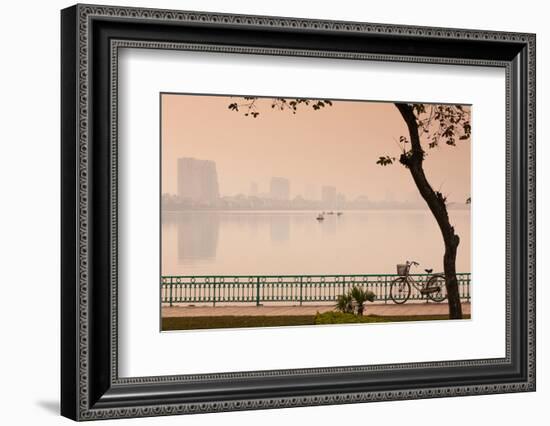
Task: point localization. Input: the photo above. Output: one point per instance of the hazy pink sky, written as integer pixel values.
(335, 146)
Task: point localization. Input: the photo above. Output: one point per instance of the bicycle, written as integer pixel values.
(433, 287)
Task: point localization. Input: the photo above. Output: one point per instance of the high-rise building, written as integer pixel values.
(311, 192)
(253, 189)
(198, 181)
(328, 196)
(340, 200)
(279, 189)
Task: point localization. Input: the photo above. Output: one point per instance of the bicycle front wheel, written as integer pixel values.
(437, 288)
(400, 290)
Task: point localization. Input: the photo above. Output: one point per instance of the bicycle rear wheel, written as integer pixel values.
(437, 287)
(400, 290)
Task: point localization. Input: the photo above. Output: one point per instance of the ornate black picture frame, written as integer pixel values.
(91, 387)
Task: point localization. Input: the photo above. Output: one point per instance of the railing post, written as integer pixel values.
(385, 289)
(301, 286)
(343, 285)
(258, 291)
(171, 285)
(426, 284)
(214, 292)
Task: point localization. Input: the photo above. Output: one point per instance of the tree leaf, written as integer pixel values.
(385, 161)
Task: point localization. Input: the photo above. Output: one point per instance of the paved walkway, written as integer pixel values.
(377, 309)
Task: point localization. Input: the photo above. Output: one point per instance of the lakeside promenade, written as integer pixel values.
(371, 309)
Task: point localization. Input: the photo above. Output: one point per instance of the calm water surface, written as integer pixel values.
(294, 242)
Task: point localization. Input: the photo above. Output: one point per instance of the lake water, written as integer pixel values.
(294, 242)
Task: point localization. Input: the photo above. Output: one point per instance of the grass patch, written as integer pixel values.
(341, 318)
(196, 323)
(193, 323)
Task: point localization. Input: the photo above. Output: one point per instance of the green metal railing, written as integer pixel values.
(298, 289)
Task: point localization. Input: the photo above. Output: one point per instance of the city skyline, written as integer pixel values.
(337, 146)
(198, 182)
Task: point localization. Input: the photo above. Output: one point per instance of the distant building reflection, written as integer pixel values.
(279, 227)
(295, 242)
(329, 225)
(198, 236)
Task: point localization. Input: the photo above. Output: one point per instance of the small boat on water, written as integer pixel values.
(330, 212)
(320, 217)
(339, 214)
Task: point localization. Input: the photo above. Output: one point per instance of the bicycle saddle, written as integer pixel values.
(428, 271)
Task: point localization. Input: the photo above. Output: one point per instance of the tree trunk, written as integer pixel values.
(413, 160)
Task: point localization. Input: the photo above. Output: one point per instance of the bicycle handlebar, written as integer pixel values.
(413, 262)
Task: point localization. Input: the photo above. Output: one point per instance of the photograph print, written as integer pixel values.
(285, 211)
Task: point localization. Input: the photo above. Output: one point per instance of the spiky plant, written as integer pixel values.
(344, 303)
(361, 296)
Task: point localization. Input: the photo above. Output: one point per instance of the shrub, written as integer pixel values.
(360, 297)
(354, 301)
(344, 303)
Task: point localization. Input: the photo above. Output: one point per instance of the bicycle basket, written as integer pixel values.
(403, 270)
